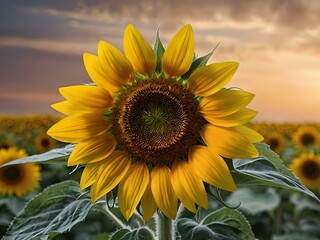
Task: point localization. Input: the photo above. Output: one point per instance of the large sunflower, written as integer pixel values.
(155, 134)
(307, 168)
(17, 179)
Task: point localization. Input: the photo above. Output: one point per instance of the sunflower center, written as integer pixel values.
(5, 145)
(11, 174)
(307, 139)
(311, 170)
(157, 120)
(274, 143)
(45, 143)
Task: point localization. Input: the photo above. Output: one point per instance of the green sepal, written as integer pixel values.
(198, 62)
(159, 51)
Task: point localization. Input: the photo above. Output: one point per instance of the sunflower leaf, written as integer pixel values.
(142, 233)
(119, 234)
(14, 204)
(296, 235)
(159, 51)
(267, 169)
(54, 156)
(222, 224)
(255, 200)
(57, 209)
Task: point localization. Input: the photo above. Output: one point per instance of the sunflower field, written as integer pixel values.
(272, 213)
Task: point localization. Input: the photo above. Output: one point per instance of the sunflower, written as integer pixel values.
(307, 168)
(7, 144)
(306, 137)
(153, 133)
(43, 142)
(276, 141)
(17, 179)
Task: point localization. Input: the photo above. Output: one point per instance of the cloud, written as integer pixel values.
(30, 71)
(276, 42)
(62, 47)
(251, 25)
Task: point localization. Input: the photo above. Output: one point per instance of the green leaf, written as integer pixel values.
(100, 236)
(198, 62)
(142, 233)
(235, 221)
(5, 219)
(191, 230)
(295, 236)
(159, 51)
(222, 224)
(267, 169)
(14, 204)
(57, 209)
(119, 234)
(254, 201)
(302, 203)
(54, 156)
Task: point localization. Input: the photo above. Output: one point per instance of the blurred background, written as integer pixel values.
(276, 42)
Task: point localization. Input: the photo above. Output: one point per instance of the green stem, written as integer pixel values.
(164, 227)
(105, 209)
(139, 218)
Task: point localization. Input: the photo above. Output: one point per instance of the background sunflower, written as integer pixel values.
(44, 143)
(276, 141)
(17, 179)
(307, 168)
(306, 137)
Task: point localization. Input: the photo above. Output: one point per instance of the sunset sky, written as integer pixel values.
(277, 44)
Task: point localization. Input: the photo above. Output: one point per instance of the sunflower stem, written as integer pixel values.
(105, 209)
(139, 218)
(164, 227)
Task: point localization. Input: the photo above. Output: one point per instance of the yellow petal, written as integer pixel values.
(224, 102)
(78, 127)
(148, 204)
(92, 65)
(132, 187)
(138, 51)
(252, 135)
(88, 97)
(209, 79)
(240, 117)
(92, 149)
(114, 168)
(89, 175)
(228, 142)
(68, 108)
(210, 167)
(162, 190)
(188, 186)
(114, 64)
(179, 54)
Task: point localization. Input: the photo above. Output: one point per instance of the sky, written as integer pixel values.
(277, 44)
